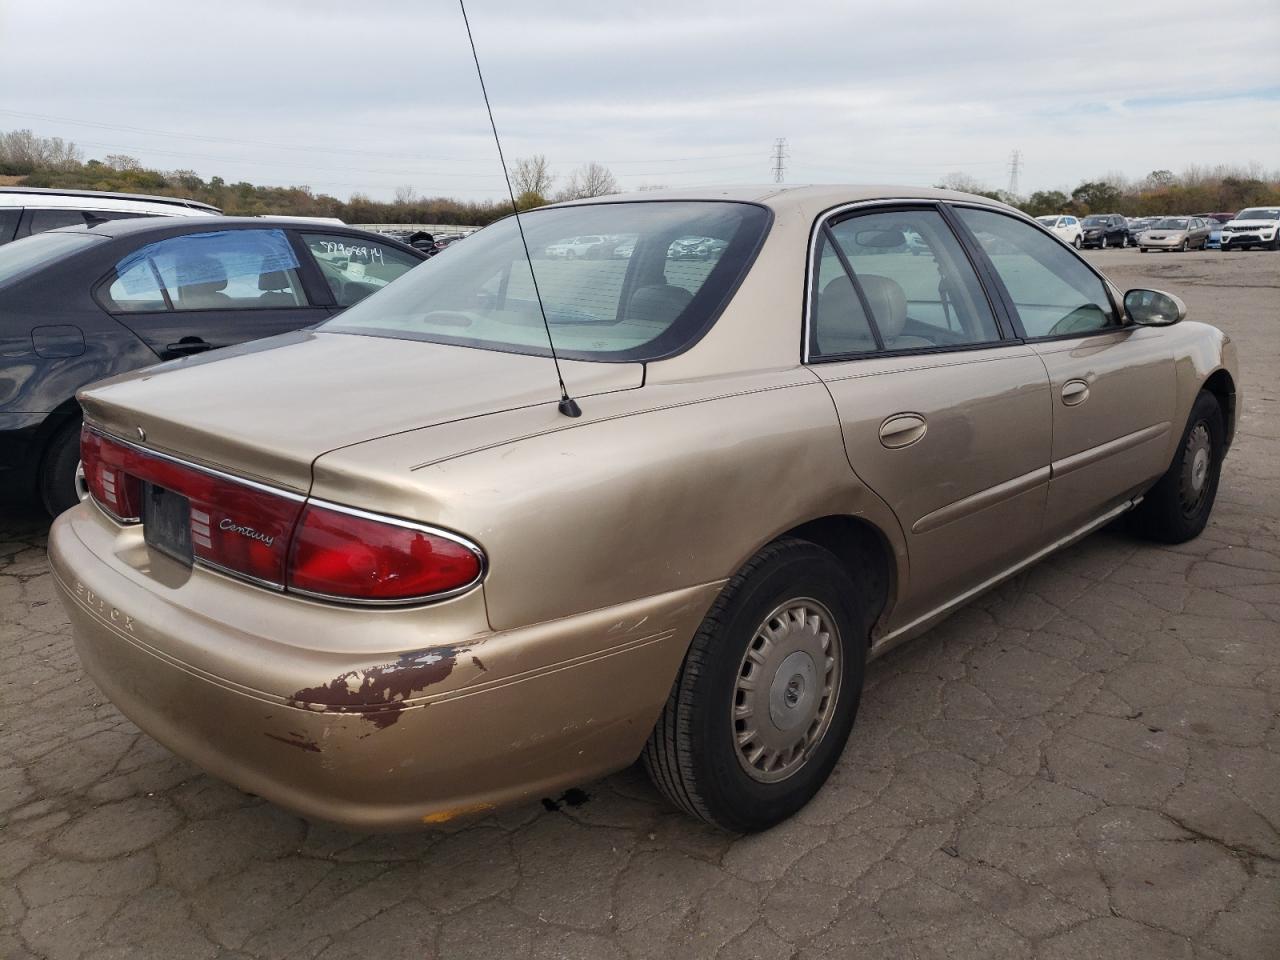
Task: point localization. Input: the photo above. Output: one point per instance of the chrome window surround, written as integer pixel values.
(826, 216)
(482, 559)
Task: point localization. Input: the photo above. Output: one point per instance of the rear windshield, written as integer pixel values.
(620, 281)
(30, 253)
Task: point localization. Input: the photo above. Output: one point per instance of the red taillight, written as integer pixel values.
(247, 529)
(116, 491)
(359, 557)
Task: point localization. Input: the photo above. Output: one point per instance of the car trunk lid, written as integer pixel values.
(266, 410)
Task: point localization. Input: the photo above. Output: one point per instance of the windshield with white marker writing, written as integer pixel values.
(620, 282)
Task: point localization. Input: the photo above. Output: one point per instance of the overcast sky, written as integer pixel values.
(367, 96)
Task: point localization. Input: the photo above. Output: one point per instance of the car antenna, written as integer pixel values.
(568, 406)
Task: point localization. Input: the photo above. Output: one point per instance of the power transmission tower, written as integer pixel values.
(779, 159)
(1015, 161)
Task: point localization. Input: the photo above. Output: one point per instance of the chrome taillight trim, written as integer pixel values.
(482, 561)
(284, 588)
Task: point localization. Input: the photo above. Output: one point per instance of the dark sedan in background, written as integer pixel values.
(81, 304)
(1104, 230)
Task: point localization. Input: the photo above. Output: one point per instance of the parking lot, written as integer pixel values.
(1083, 764)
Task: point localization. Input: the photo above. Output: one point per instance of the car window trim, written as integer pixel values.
(845, 211)
(829, 239)
(98, 291)
(1007, 298)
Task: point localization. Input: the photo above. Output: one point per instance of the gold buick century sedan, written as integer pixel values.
(371, 572)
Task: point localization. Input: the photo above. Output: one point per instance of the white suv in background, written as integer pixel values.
(1254, 227)
(1066, 228)
(28, 210)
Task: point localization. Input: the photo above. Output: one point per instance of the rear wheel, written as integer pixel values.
(1177, 508)
(1077, 242)
(1102, 244)
(57, 480)
(767, 693)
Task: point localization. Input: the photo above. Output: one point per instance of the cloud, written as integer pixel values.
(346, 96)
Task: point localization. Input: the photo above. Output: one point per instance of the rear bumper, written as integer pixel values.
(369, 733)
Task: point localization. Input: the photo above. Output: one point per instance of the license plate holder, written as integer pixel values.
(166, 523)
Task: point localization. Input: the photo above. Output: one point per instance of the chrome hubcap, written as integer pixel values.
(1197, 457)
(786, 690)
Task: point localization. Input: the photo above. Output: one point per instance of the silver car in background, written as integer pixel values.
(1175, 233)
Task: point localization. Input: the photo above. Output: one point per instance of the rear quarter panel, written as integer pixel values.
(661, 488)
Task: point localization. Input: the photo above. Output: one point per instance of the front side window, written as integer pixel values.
(1054, 291)
(910, 275)
(222, 270)
(612, 282)
(355, 267)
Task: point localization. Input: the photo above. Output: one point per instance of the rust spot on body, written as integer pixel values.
(296, 740)
(379, 693)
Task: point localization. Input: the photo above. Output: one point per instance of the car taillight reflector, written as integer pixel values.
(359, 557)
(116, 491)
(280, 540)
(236, 526)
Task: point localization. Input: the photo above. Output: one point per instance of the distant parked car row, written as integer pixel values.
(1252, 227)
(620, 247)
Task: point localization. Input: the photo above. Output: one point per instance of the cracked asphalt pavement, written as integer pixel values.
(1084, 763)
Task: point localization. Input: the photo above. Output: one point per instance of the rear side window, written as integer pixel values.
(9, 224)
(911, 276)
(620, 281)
(355, 267)
(1055, 293)
(38, 221)
(222, 270)
(31, 253)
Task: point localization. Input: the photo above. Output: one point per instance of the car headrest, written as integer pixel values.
(888, 304)
(273, 280)
(658, 303)
(201, 274)
(840, 311)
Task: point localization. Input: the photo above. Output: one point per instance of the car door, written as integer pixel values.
(1112, 385)
(354, 267)
(943, 417)
(199, 291)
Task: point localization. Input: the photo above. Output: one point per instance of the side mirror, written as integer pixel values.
(1153, 308)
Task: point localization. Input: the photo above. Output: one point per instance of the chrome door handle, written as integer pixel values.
(1075, 392)
(902, 430)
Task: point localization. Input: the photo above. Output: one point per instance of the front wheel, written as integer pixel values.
(1177, 508)
(1124, 240)
(1102, 244)
(1183, 247)
(767, 693)
(1142, 250)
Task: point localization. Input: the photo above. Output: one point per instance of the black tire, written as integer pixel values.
(1077, 242)
(1102, 244)
(1124, 241)
(1143, 250)
(693, 753)
(1175, 510)
(1185, 246)
(57, 479)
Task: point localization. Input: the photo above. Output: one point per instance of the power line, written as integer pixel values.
(779, 159)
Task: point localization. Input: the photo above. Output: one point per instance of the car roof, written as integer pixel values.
(163, 227)
(14, 196)
(811, 197)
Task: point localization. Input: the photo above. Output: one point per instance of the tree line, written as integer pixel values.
(1220, 189)
(53, 162)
